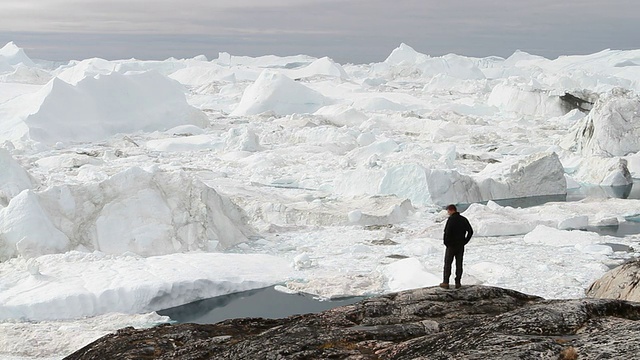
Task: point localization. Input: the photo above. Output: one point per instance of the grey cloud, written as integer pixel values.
(347, 30)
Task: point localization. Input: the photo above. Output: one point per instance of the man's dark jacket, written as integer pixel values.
(458, 231)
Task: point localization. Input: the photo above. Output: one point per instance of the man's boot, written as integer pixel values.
(444, 285)
(458, 285)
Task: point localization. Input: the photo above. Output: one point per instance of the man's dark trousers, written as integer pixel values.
(457, 253)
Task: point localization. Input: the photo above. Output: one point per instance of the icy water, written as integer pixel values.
(599, 192)
(264, 303)
(630, 227)
(620, 192)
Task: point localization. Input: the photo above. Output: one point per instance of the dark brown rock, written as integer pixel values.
(475, 322)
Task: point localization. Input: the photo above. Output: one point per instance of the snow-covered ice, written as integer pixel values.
(75, 285)
(280, 94)
(96, 108)
(130, 186)
(612, 128)
(13, 178)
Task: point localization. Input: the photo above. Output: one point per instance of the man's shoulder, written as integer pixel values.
(459, 216)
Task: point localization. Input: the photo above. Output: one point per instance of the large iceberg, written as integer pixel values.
(526, 98)
(97, 108)
(597, 170)
(136, 211)
(404, 60)
(278, 93)
(612, 128)
(534, 175)
(27, 230)
(13, 55)
(321, 67)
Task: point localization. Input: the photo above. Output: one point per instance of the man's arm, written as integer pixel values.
(446, 231)
(469, 231)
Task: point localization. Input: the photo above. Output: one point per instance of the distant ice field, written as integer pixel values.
(129, 186)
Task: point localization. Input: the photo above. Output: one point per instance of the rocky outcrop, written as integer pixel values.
(622, 283)
(474, 322)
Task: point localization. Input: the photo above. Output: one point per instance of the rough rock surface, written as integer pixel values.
(474, 322)
(622, 283)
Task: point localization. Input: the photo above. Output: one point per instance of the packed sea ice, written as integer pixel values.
(130, 186)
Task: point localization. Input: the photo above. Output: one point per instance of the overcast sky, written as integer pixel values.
(359, 31)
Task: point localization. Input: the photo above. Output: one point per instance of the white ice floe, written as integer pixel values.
(146, 213)
(75, 71)
(409, 274)
(77, 285)
(78, 71)
(320, 67)
(27, 230)
(596, 170)
(278, 93)
(13, 178)
(633, 165)
(186, 143)
(378, 210)
(526, 98)
(405, 60)
(26, 75)
(97, 108)
(266, 61)
(343, 115)
(495, 220)
(553, 237)
(14, 55)
(209, 73)
(535, 175)
(5, 67)
(612, 128)
(59, 338)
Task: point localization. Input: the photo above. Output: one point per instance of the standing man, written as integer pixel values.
(457, 234)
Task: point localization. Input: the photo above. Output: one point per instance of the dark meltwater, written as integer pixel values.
(264, 303)
(630, 227)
